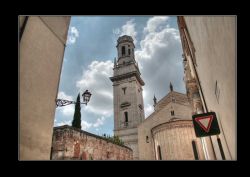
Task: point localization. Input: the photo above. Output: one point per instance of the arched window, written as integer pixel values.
(196, 157)
(129, 51)
(159, 152)
(124, 90)
(126, 119)
(123, 50)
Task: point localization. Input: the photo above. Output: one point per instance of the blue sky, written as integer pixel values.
(88, 62)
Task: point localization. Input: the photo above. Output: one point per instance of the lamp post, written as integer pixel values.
(86, 97)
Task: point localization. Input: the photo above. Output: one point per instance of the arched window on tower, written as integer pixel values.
(159, 152)
(126, 119)
(123, 50)
(129, 51)
(172, 112)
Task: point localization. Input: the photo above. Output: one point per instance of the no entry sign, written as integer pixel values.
(206, 124)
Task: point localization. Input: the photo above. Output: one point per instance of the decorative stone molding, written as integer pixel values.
(125, 104)
(171, 125)
(128, 75)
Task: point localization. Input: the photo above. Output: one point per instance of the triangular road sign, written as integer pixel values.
(205, 122)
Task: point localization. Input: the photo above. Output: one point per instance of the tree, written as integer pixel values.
(77, 115)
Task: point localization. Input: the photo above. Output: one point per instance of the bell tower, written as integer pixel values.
(127, 91)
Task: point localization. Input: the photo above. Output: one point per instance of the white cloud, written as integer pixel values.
(99, 122)
(127, 29)
(154, 23)
(69, 109)
(73, 34)
(149, 109)
(96, 80)
(62, 95)
(116, 31)
(86, 125)
(60, 123)
(160, 50)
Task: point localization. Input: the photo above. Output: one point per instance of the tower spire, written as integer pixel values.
(115, 62)
(155, 101)
(171, 87)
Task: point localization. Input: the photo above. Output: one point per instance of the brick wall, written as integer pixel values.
(73, 144)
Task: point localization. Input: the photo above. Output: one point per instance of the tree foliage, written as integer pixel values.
(114, 139)
(77, 115)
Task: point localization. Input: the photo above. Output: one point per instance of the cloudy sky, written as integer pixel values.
(88, 63)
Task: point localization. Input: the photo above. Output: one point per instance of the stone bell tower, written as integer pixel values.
(127, 90)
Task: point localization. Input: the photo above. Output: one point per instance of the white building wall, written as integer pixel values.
(214, 40)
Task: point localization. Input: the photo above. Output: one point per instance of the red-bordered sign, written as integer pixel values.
(205, 122)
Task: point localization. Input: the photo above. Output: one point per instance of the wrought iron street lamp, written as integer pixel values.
(86, 97)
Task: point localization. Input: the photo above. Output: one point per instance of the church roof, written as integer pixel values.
(125, 38)
(179, 98)
(176, 121)
(172, 96)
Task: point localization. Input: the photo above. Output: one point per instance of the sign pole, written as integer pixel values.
(204, 147)
(221, 148)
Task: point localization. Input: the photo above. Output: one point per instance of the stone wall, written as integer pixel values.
(130, 138)
(73, 144)
(41, 51)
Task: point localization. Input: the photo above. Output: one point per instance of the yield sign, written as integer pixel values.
(206, 124)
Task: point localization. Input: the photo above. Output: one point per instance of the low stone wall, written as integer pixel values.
(73, 144)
